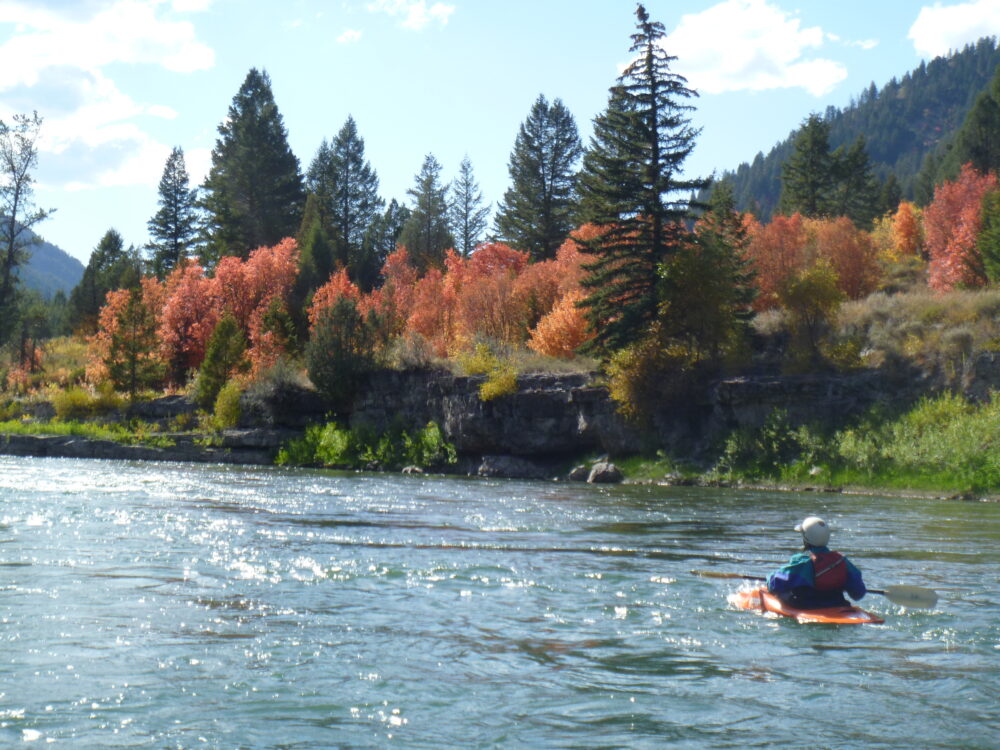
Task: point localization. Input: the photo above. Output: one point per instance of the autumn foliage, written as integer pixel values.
(951, 228)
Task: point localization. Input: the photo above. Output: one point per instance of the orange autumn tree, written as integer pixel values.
(951, 228)
(563, 329)
(101, 343)
(850, 252)
(907, 230)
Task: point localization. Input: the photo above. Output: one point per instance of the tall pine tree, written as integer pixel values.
(348, 187)
(537, 210)
(427, 234)
(380, 241)
(254, 194)
(631, 189)
(110, 267)
(174, 227)
(808, 176)
(468, 212)
(856, 192)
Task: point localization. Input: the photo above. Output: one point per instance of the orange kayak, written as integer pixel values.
(759, 600)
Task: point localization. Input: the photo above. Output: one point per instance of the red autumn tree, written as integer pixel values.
(951, 227)
(245, 286)
(187, 317)
(776, 251)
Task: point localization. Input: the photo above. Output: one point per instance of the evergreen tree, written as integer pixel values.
(254, 193)
(110, 267)
(808, 176)
(537, 210)
(133, 361)
(890, 196)
(979, 139)
(348, 187)
(631, 189)
(426, 234)
(18, 157)
(175, 226)
(855, 194)
(988, 242)
(468, 214)
(381, 240)
(224, 356)
(316, 249)
(341, 353)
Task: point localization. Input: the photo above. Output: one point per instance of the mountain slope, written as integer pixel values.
(50, 270)
(902, 122)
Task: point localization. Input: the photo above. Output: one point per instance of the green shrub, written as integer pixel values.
(341, 352)
(336, 446)
(224, 356)
(73, 403)
(227, 405)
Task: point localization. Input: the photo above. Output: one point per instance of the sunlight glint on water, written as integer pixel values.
(177, 606)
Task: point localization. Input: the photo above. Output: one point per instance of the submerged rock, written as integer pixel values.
(605, 472)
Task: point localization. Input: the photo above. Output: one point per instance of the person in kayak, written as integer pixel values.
(817, 577)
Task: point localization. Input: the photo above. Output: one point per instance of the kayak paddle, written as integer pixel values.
(913, 597)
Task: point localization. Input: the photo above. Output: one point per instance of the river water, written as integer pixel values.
(171, 605)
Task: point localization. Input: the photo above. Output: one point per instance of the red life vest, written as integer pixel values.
(829, 570)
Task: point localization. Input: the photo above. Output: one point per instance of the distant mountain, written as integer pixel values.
(902, 123)
(50, 270)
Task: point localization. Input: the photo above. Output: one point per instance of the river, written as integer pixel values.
(182, 606)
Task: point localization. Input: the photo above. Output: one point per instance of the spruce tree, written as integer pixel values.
(978, 141)
(174, 227)
(426, 234)
(348, 186)
(133, 360)
(468, 213)
(855, 193)
(254, 194)
(110, 267)
(890, 195)
(316, 249)
(808, 177)
(537, 211)
(381, 240)
(631, 190)
(224, 356)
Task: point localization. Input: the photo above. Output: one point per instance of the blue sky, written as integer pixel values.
(119, 82)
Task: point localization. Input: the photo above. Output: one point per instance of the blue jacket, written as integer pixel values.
(798, 572)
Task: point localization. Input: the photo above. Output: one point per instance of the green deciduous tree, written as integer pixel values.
(254, 194)
(426, 233)
(468, 212)
(631, 190)
(18, 214)
(537, 211)
(175, 225)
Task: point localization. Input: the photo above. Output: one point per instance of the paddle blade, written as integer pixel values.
(913, 597)
(720, 574)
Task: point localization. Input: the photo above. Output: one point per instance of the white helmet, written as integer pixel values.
(815, 531)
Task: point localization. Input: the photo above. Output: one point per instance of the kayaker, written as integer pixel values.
(817, 577)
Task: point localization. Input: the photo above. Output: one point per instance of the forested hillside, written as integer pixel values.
(51, 270)
(902, 123)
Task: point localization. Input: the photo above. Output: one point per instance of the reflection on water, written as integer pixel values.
(179, 606)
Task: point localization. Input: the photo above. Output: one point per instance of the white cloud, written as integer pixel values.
(414, 14)
(740, 45)
(940, 29)
(55, 61)
(349, 36)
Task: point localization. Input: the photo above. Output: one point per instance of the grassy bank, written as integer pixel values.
(943, 444)
(129, 433)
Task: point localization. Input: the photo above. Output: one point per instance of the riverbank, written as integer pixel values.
(825, 433)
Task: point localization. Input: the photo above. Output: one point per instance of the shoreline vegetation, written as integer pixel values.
(885, 300)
